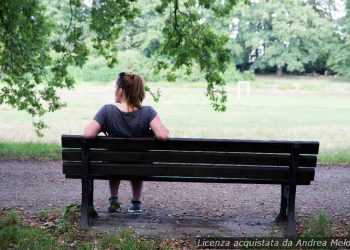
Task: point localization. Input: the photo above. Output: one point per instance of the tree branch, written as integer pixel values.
(176, 9)
(71, 16)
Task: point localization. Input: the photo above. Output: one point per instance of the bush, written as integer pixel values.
(10, 219)
(133, 60)
(71, 213)
(43, 214)
(318, 226)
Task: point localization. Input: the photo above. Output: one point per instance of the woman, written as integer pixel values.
(128, 118)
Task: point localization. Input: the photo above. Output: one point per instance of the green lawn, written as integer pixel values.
(288, 108)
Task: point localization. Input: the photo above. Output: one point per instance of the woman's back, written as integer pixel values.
(118, 123)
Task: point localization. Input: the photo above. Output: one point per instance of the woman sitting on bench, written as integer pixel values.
(127, 119)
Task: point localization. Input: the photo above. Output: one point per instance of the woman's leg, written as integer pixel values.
(114, 204)
(136, 187)
(114, 187)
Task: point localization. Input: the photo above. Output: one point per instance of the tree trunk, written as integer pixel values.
(279, 71)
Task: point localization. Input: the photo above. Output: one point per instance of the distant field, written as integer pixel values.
(287, 108)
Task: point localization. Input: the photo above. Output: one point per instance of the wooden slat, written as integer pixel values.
(190, 157)
(189, 179)
(219, 145)
(225, 171)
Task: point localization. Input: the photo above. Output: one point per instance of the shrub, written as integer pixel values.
(43, 214)
(9, 219)
(318, 226)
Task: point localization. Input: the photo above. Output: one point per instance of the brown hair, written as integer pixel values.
(132, 86)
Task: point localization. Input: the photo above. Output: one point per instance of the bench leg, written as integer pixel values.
(84, 218)
(91, 193)
(282, 216)
(291, 230)
(92, 211)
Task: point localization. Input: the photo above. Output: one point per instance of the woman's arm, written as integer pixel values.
(92, 130)
(160, 131)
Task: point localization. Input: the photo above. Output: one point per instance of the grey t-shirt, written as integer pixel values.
(117, 123)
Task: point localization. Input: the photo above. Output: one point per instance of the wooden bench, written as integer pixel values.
(286, 163)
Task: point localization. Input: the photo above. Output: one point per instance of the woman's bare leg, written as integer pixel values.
(114, 187)
(136, 187)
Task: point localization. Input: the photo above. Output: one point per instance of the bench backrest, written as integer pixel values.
(180, 159)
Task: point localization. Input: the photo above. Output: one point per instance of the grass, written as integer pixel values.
(10, 219)
(14, 235)
(62, 234)
(126, 240)
(29, 150)
(287, 108)
(318, 226)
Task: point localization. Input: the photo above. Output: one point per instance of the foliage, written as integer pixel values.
(318, 226)
(107, 19)
(339, 60)
(189, 39)
(133, 60)
(10, 219)
(43, 214)
(325, 8)
(70, 213)
(38, 45)
(282, 34)
(144, 31)
(33, 60)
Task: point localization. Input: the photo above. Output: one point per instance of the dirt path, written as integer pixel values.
(177, 210)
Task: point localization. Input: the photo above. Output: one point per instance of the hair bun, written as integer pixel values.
(128, 80)
(134, 89)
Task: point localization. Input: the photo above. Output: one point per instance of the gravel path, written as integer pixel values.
(176, 210)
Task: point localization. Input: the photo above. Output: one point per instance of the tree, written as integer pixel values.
(144, 31)
(327, 9)
(285, 34)
(33, 60)
(339, 60)
(36, 49)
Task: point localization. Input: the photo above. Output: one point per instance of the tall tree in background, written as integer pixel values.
(36, 49)
(339, 60)
(144, 31)
(286, 34)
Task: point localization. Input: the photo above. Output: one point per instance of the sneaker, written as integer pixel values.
(114, 205)
(135, 207)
